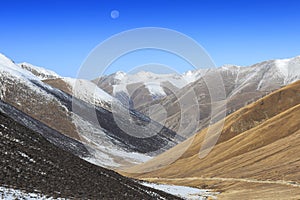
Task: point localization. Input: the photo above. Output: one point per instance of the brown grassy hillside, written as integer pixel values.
(256, 155)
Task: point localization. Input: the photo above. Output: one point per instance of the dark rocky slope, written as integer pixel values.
(31, 163)
(60, 140)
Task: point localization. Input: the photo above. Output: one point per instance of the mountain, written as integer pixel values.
(86, 116)
(31, 164)
(27, 93)
(255, 156)
(242, 85)
(141, 87)
(138, 148)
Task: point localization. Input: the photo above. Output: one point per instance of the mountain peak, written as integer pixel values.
(9, 67)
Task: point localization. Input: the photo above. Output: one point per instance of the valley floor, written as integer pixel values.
(233, 188)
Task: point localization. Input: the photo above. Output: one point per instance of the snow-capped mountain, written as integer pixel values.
(264, 76)
(121, 78)
(143, 87)
(108, 145)
(284, 71)
(242, 85)
(28, 93)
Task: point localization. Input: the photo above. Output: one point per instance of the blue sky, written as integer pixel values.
(60, 34)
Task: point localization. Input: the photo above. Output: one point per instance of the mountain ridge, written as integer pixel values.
(108, 144)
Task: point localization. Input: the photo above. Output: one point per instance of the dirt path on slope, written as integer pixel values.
(279, 182)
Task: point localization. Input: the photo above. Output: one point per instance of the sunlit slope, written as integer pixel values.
(260, 141)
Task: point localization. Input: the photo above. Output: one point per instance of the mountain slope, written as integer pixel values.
(31, 163)
(258, 147)
(242, 86)
(27, 93)
(66, 143)
(85, 90)
(107, 143)
(106, 118)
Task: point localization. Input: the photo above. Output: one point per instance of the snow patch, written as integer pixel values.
(12, 194)
(282, 65)
(184, 192)
(26, 156)
(148, 77)
(88, 91)
(191, 76)
(155, 89)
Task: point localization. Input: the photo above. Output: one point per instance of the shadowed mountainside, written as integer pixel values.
(31, 163)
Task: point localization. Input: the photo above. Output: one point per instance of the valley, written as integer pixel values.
(255, 155)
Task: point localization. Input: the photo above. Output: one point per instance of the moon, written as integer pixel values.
(115, 14)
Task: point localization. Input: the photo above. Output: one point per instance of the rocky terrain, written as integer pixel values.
(32, 164)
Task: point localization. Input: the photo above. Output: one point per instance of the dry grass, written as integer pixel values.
(258, 142)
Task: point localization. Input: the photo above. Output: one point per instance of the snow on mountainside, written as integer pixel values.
(40, 72)
(9, 71)
(9, 67)
(145, 77)
(155, 89)
(29, 94)
(12, 194)
(242, 86)
(268, 75)
(85, 89)
(140, 89)
(19, 88)
(88, 91)
(108, 145)
(120, 80)
(193, 75)
(288, 68)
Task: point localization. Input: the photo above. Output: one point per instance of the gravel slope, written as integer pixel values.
(31, 163)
